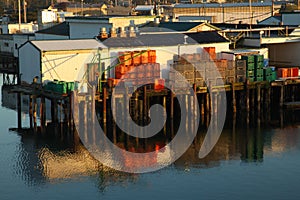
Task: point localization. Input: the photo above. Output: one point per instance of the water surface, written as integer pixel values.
(255, 163)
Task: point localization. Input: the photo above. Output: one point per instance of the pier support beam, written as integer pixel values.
(233, 99)
(258, 97)
(93, 114)
(208, 102)
(202, 108)
(54, 114)
(104, 104)
(247, 99)
(136, 106)
(293, 92)
(195, 101)
(281, 100)
(171, 104)
(43, 115)
(145, 103)
(165, 103)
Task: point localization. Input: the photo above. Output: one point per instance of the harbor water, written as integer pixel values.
(249, 162)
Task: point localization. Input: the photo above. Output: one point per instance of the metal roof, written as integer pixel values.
(172, 26)
(144, 7)
(175, 26)
(217, 5)
(165, 39)
(59, 29)
(67, 45)
(278, 18)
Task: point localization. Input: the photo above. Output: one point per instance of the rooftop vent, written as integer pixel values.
(113, 32)
(132, 32)
(122, 32)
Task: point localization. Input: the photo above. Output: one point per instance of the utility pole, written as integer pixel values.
(19, 7)
(81, 7)
(25, 10)
(273, 7)
(251, 14)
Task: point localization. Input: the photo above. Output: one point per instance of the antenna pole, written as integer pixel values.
(25, 11)
(19, 8)
(251, 14)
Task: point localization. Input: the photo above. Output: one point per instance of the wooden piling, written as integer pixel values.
(54, 115)
(93, 115)
(293, 93)
(171, 104)
(195, 101)
(165, 104)
(258, 98)
(43, 115)
(65, 111)
(54, 111)
(202, 100)
(268, 98)
(104, 95)
(145, 108)
(85, 118)
(252, 99)
(114, 133)
(60, 120)
(208, 103)
(216, 98)
(126, 108)
(281, 98)
(247, 99)
(141, 110)
(136, 106)
(71, 117)
(233, 100)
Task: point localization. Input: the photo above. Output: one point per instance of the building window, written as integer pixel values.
(6, 44)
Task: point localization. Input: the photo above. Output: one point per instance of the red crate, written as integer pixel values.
(159, 84)
(283, 72)
(152, 59)
(136, 57)
(294, 72)
(152, 53)
(125, 57)
(210, 49)
(144, 57)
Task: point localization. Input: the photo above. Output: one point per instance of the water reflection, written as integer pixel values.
(28, 164)
(39, 162)
(247, 138)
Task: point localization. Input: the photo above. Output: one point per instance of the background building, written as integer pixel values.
(225, 12)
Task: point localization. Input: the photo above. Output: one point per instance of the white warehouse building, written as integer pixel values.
(65, 60)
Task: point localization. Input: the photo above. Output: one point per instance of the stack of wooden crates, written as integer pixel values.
(204, 69)
(137, 67)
